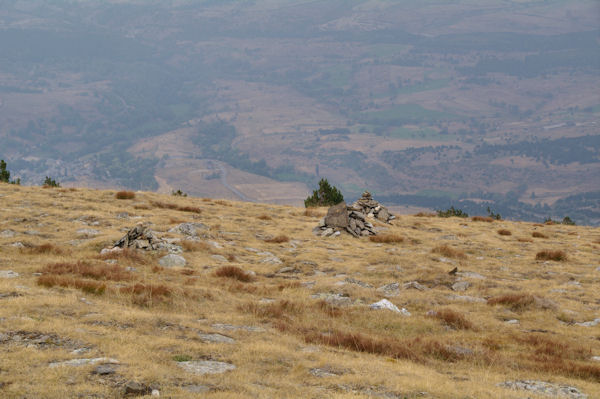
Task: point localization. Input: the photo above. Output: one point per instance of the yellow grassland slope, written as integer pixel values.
(297, 312)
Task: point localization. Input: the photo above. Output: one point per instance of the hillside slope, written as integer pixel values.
(295, 321)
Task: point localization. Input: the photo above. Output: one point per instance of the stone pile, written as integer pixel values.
(373, 209)
(141, 237)
(341, 217)
(353, 218)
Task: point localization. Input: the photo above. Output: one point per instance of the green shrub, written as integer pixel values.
(325, 195)
(568, 221)
(5, 174)
(178, 193)
(49, 182)
(452, 212)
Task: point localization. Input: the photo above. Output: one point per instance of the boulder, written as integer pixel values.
(337, 216)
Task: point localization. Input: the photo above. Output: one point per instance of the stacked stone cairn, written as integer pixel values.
(373, 209)
(141, 237)
(353, 218)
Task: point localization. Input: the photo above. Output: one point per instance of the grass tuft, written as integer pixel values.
(387, 238)
(45, 249)
(549, 254)
(504, 232)
(537, 234)
(482, 219)
(453, 319)
(516, 302)
(125, 195)
(235, 273)
(278, 239)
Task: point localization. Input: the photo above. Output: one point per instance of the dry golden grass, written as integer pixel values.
(125, 306)
(550, 254)
(537, 234)
(449, 252)
(387, 238)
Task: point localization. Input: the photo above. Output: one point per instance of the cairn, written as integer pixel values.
(373, 209)
(353, 218)
(141, 237)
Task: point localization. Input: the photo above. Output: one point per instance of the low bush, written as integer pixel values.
(125, 195)
(264, 217)
(549, 254)
(278, 239)
(235, 273)
(482, 219)
(504, 232)
(387, 238)
(515, 302)
(45, 249)
(537, 234)
(88, 286)
(452, 212)
(452, 319)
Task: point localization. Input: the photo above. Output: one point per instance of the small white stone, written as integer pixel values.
(155, 392)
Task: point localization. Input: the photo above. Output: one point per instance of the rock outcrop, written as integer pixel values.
(141, 237)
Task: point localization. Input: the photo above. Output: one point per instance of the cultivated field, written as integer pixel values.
(487, 303)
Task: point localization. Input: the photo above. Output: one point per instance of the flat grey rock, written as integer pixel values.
(216, 338)
(333, 298)
(83, 362)
(197, 388)
(172, 260)
(219, 258)
(188, 229)
(414, 285)
(8, 274)
(385, 304)
(592, 323)
(7, 234)
(545, 388)
(323, 372)
(390, 290)
(231, 327)
(461, 286)
(201, 367)
(88, 232)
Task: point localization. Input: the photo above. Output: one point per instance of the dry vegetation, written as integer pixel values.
(125, 195)
(291, 307)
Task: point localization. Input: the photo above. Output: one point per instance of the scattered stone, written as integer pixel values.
(8, 274)
(188, 229)
(219, 258)
(461, 351)
(197, 388)
(123, 215)
(105, 369)
(288, 269)
(385, 304)
(216, 338)
(37, 339)
(390, 290)
(18, 244)
(545, 388)
(82, 362)
(461, 286)
(273, 260)
(88, 232)
(474, 275)
(592, 323)
(231, 327)
(172, 260)
(334, 298)
(350, 280)
(512, 321)
(9, 295)
(326, 371)
(133, 388)
(337, 216)
(201, 367)
(415, 285)
(155, 393)
(7, 234)
(595, 358)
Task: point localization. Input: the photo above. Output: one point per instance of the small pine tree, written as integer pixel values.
(568, 221)
(48, 182)
(5, 174)
(325, 195)
(452, 212)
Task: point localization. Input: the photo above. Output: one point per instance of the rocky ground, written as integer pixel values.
(218, 299)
